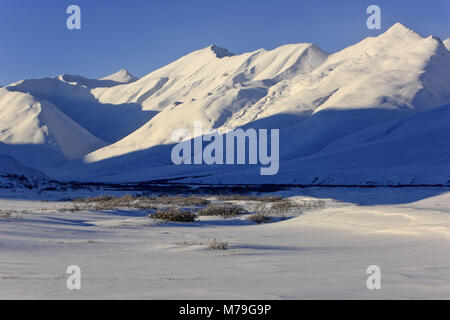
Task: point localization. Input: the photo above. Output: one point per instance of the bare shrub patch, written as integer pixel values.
(260, 218)
(312, 204)
(107, 202)
(282, 206)
(174, 215)
(181, 201)
(225, 211)
(5, 214)
(216, 244)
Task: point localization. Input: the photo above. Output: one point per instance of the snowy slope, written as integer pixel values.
(321, 102)
(202, 86)
(38, 134)
(17, 179)
(10, 166)
(387, 72)
(201, 73)
(447, 43)
(410, 150)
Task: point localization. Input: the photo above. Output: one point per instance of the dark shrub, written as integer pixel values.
(218, 244)
(260, 218)
(174, 215)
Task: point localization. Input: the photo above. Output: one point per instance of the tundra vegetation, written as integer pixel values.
(178, 208)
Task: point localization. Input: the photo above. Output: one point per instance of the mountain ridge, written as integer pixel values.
(331, 96)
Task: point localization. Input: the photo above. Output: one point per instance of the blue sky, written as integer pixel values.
(142, 35)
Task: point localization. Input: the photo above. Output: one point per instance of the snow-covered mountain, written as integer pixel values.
(412, 150)
(365, 113)
(203, 86)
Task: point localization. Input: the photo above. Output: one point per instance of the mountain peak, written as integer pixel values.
(220, 52)
(399, 30)
(123, 75)
(398, 26)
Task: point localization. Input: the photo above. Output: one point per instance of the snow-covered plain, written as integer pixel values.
(322, 253)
